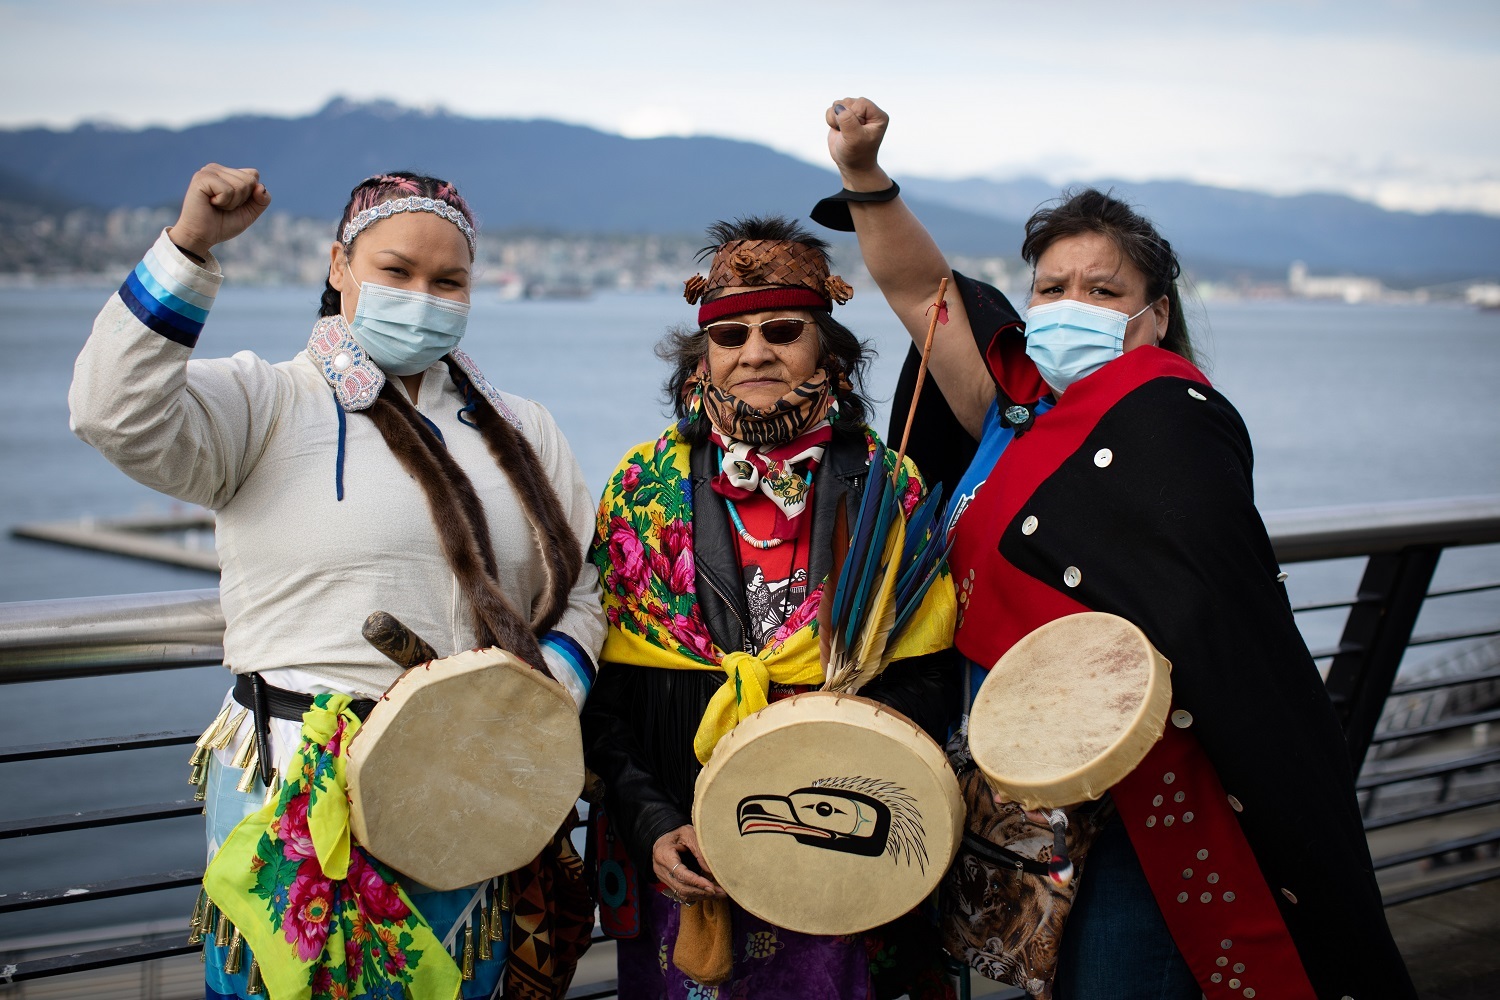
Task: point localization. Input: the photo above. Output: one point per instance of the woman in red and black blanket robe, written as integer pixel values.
(1111, 476)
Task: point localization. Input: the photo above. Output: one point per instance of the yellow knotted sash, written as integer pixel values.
(651, 624)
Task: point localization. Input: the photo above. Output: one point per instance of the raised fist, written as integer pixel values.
(221, 202)
(855, 128)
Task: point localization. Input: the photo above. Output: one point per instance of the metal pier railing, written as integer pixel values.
(1429, 779)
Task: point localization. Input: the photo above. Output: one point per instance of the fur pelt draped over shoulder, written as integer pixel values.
(463, 529)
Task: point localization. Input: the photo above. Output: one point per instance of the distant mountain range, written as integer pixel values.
(567, 178)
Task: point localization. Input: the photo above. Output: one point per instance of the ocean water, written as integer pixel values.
(1345, 404)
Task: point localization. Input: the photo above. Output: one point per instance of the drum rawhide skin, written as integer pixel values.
(465, 769)
(827, 813)
(1069, 710)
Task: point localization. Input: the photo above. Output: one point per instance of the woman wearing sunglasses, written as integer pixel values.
(714, 540)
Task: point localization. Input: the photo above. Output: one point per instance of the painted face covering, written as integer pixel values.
(1069, 340)
(404, 332)
(780, 423)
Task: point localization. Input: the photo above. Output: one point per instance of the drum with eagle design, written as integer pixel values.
(465, 769)
(828, 814)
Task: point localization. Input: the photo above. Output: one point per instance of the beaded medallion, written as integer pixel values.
(355, 379)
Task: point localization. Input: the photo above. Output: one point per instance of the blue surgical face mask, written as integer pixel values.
(1068, 339)
(405, 332)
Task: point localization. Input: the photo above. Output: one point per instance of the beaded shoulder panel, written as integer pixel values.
(356, 380)
(483, 385)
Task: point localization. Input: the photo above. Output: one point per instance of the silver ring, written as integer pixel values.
(673, 869)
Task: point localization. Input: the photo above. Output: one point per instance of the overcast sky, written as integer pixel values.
(1393, 100)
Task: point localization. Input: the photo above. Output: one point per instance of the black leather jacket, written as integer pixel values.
(639, 722)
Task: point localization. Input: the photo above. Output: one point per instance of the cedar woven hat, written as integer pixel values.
(783, 274)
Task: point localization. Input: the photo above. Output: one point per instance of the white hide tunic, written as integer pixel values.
(258, 443)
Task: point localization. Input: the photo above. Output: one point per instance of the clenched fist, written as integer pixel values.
(855, 128)
(221, 202)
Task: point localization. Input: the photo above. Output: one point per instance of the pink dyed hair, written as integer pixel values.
(383, 187)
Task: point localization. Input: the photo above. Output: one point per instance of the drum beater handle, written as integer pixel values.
(398, 643)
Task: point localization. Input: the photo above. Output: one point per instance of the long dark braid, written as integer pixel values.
(561, 551)
(454, 506)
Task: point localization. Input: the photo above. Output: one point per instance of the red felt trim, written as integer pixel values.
(756, 301)
(1003, 604)
(1204, 875)
(1012, 370)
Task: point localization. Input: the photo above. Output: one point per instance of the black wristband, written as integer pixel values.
(189, 254)
(833, 211)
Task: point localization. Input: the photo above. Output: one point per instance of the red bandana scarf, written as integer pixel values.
(780, 472)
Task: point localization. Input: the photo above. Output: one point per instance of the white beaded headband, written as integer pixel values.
(364, 220)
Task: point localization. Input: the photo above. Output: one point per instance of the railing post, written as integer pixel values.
(1375, 636)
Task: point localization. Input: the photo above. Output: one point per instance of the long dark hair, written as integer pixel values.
(684, 347)
(381, 188)
(1093, 211)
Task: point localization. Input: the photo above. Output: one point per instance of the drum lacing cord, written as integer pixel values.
(1060, 867)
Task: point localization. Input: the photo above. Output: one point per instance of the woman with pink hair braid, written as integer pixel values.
(376, 469)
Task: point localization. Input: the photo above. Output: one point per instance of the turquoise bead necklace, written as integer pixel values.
(739, 525)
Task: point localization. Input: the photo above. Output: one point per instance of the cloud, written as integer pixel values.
(1284, 96)
(652, 121)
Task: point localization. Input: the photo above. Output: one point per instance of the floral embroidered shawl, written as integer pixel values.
(323, 918)
(643, 546)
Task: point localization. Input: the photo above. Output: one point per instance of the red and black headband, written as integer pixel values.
(784, 275)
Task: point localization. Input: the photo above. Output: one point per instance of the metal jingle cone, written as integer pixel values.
(497, 922)
(200, 769)
(212, 732)
(223, 932)
(468, 967)
(242, 756)
(235, 956)
(221, 741)
(273, 788)
(252, 773)
(254, 985)
(195, 923)
(505, 893)
(486, 952)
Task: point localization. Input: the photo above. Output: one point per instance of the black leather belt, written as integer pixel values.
(284, 704)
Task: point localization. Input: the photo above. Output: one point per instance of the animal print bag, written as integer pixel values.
(999, 910)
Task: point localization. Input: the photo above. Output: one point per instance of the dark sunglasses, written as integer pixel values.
(778, 332)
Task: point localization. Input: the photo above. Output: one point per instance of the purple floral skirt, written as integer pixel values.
(770, 963)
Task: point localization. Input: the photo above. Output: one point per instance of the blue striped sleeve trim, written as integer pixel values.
(158, 317)
(580, 661)
(167, 297)
(166, 271)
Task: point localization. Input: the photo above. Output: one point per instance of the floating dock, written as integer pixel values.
(184, 540)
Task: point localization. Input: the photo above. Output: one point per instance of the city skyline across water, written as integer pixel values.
(1345, 404)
